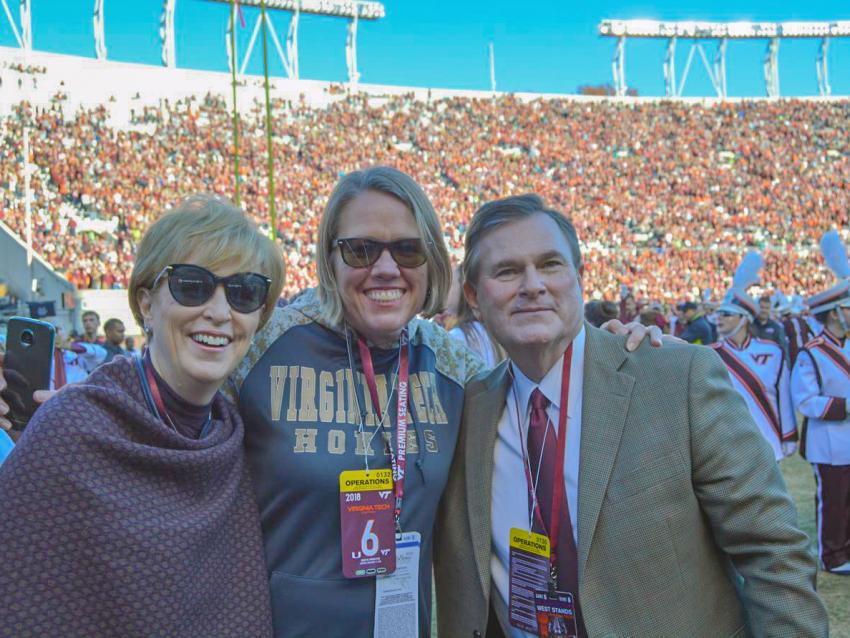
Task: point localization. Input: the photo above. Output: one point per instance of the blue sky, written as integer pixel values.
(547, 46)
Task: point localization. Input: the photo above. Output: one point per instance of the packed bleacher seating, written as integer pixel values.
(668, 194)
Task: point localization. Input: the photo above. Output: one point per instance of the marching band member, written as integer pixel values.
(797, 329)
(815, 326)
(757, 367)
(73, 360)
(820, 387)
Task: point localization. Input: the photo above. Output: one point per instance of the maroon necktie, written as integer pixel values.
(542, 453)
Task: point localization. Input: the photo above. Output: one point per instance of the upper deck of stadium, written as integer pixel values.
(667, 191)
(125, 86)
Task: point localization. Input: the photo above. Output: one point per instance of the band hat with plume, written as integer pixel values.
(835, 255)
(798, 305)
(737, 301)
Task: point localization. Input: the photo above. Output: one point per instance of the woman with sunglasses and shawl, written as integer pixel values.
(352, 406)
(127, 503)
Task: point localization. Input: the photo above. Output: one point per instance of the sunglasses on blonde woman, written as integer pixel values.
(358, 252)
(192, 285)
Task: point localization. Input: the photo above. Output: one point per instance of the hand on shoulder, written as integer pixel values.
(636, 333)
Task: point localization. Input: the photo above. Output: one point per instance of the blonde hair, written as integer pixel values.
(209, 231)
(382, 179)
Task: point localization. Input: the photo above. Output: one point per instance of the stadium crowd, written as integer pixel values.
(667, 195)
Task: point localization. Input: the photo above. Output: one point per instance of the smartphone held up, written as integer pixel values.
(26, 367)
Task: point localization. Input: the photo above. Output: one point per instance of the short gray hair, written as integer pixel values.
(382, 179)
(503, 211)
(213, 233)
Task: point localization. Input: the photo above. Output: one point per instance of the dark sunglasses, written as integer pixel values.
(361, 253)
(192, 285)
(723, 313)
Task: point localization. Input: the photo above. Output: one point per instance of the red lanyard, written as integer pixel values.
(398, 458)
(159, 404)
(558, 487)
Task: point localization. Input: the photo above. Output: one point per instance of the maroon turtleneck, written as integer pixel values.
(189, 419)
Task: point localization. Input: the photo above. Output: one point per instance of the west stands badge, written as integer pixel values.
(368, 528)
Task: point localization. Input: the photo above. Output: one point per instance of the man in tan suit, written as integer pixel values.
(672, 517)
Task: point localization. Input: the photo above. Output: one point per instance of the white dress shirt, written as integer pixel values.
(509, 506)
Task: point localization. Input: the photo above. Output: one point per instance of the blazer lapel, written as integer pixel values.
(482, 424)
(607, 393)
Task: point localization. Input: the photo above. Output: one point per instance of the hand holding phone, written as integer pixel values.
(40, 396)
(26, 367)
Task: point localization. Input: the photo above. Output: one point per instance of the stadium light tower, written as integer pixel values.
(353, 10)
(822, 69)
(99, 30)
(722, 32)
(771, 68)
(24, 35)
(166, 34)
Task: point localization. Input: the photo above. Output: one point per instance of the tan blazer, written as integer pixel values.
(677, 491)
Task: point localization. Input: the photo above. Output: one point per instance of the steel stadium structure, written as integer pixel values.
(722, 32)
(355, 10)
(352, 10)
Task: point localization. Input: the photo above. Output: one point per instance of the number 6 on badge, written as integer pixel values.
(366, 523)
(369, 543)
